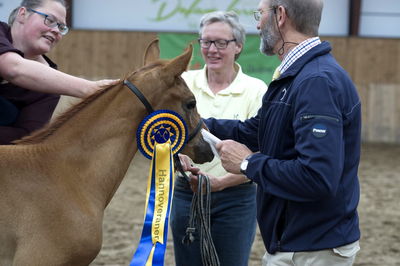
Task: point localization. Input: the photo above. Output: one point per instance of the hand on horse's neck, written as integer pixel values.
(218, 81)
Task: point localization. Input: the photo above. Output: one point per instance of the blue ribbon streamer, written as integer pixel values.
(140, 258)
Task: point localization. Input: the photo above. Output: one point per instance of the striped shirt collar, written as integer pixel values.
(298, 52)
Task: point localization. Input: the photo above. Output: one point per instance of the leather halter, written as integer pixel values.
(150, 109)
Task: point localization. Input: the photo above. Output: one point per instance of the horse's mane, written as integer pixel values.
(43, 133)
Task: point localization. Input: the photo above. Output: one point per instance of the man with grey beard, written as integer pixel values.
(307, 134)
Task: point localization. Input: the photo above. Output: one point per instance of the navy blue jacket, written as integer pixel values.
(308, 132)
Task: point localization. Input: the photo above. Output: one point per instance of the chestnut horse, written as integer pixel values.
(56, 183)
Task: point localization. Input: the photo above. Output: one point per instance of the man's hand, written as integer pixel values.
(232, 154)
(217, 183)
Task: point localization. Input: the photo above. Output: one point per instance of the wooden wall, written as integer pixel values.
(373, 64)
(101, 54)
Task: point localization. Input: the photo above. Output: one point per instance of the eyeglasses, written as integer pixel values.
(51, 22)
(258, 13)
(220, 44)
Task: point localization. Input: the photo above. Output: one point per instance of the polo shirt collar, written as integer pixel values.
(233, 88)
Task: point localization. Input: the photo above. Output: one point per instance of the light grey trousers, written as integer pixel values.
(340, 256)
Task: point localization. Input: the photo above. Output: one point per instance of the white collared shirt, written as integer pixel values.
(298, 52)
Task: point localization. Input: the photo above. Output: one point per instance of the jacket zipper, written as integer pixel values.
(309, 117)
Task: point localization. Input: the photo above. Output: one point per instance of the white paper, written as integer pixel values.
(210, 139)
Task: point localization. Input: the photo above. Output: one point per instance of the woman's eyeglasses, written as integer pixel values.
(52, 22)
(220, 44)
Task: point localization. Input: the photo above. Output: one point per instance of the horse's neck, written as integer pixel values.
(98, 143)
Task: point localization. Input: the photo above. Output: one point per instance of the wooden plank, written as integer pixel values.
(375, 60)
(382, 122)
(363, 91)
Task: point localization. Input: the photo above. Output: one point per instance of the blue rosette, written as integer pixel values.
(159, 127)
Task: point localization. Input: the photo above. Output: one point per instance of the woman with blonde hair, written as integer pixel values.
(30, 83)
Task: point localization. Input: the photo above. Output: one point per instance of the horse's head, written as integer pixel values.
(161, 83)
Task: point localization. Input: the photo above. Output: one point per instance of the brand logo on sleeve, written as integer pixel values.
(319, 130)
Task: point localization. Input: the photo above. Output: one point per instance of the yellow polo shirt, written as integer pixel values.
(240, 100)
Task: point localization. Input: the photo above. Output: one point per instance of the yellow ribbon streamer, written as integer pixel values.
(162, 158)
(162, 183)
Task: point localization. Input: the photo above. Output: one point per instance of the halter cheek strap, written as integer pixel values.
(140, 95)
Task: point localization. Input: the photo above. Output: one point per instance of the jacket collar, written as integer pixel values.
(293, 70)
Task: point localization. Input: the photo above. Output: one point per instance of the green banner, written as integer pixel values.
(252, 61)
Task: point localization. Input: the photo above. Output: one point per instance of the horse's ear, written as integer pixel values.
(152, 52)
(181, 63)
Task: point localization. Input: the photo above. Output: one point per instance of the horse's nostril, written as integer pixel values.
(203, 153)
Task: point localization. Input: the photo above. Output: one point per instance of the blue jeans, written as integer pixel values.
(8, 112)
(233, 224)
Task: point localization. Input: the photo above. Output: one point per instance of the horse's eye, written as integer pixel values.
(191, 105)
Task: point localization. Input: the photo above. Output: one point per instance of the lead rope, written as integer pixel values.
(200, 218)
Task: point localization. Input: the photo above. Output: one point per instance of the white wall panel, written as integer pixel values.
(6, 6)
(177, 15)
(183, 16)
(380, 18)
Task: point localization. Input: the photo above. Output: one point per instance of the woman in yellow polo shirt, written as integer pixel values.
(222, 90)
